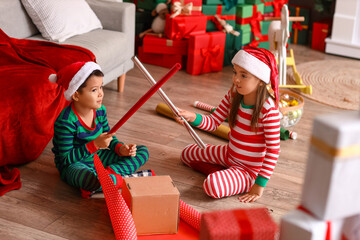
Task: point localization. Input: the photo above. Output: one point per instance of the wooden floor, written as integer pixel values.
(47, 208)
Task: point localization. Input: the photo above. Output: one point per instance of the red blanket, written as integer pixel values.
(29, 103)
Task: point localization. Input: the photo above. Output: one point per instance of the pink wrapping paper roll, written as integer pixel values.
(190, 215)
(120, 215)
(203, 106)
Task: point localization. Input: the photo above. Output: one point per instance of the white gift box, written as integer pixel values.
(351, 229)
(298, 225)
(332, 181)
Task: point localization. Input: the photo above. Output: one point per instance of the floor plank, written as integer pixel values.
(47, 208)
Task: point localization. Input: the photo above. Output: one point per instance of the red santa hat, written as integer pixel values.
(72, 76)
(262, 64)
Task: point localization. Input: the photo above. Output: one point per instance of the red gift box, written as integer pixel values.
(186, 7)
(320, 33)
(250, 223)
(206, 53)
(181, 27)
(162, 60)
(153, 44)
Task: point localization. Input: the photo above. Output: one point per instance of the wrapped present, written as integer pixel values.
(206, 53)
(253, 2)
(250, 223)
(330, 189)
(232, 45)
(213, 2)
(154, 204)
(273, 7)
(162, 60)
(232, 3)
(186, 7)
(351, 228)
(301, 225)
(154, 44)
(300, 29)
(319, 34)
(249, 18)
(181, 27)
(224, 14)
(143, 20)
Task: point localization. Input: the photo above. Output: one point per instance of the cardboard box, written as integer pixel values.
(298, 225)
(154, 204)
(250, 223)
(331, 189)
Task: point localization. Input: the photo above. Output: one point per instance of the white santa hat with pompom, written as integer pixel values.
(72, 76)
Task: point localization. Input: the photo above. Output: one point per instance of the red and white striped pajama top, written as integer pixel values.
(248, 156)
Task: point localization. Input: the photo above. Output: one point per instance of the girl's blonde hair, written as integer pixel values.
(261, 96)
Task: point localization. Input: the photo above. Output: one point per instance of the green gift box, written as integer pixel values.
(300, 29)
(268, 7)
(232, 45)
(211, 10)
(264, 44)
(244, 13)
(143, 20)
(144, 4)
(253, 2)
(212, 2)
(245, 36)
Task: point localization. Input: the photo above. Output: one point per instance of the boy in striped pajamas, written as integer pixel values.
(81, 129)
(246, 163)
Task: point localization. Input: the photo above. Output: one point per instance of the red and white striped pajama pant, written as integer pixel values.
(231, 181)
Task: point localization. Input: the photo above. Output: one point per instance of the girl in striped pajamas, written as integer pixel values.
(81, 129)
(246, 163)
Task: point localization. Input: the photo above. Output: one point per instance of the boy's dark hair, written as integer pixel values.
(96, 72)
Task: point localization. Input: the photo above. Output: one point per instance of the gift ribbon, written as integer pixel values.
(328, 223)
(350, 151)
(169, 43)
(277, 4)
(180, 29)
(179, 8)
(255, 42)
(296, 26)
(222, 17)
(208, 55)
(254, 22)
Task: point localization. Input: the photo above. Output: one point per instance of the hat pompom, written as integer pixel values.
(53, 78)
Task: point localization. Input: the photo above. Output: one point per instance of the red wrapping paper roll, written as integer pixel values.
(144, 98)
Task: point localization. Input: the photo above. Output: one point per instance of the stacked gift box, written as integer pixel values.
(249, 18)
(330, 202)
(186, 41)
(214, 30)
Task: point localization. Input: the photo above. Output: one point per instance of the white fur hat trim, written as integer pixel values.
(79, 78)
(253, 65)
